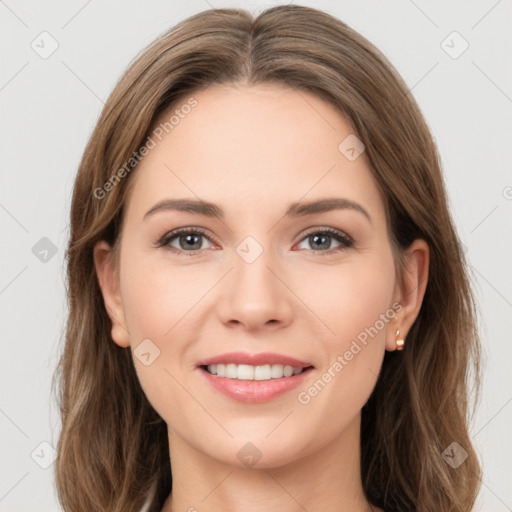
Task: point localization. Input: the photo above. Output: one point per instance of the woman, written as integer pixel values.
(269, 306)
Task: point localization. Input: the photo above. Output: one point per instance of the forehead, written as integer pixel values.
(248, 146)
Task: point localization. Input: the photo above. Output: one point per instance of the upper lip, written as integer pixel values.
(254, 359)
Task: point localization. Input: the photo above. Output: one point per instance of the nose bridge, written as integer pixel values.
(255, 295)
(252, 277)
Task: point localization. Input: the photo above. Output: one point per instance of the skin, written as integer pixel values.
(253, 150)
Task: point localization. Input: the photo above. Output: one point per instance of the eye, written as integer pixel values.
(184, 240)
(320, 239)
(191, 240)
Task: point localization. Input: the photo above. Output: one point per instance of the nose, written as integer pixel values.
(255, 295)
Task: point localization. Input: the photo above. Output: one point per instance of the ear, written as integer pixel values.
(411, 291)
(109, 283)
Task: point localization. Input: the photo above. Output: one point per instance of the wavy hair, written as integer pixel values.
(113, 452)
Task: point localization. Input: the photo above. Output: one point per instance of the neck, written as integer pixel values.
(328, 479)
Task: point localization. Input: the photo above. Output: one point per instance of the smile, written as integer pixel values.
(250, 372)
(255, 390)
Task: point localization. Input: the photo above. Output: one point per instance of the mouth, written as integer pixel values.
(250, 372)
(254, 378)
(246, 366)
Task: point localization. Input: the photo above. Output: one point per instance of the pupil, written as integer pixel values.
(191, 240)
(322, 239)
(318, 241)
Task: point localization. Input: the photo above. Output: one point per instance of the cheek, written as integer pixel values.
(158, 303)
(157, 296)
(349, 298)
(365, 294)
(354, 304)
(358, 310)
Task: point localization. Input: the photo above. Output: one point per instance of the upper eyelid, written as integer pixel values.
(329, 230)
(207, 234)
(192, 229)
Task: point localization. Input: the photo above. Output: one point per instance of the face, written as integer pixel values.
(253, 275)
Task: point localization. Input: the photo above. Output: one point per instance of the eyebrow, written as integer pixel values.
(297, 209)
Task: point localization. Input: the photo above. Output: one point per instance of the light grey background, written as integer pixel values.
(50, 105)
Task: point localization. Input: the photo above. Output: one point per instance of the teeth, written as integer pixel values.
(262, 372)
(277, 371)
(231, 372)
(249, 372)
(242, 372)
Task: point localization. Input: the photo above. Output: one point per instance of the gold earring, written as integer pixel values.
(399, 341)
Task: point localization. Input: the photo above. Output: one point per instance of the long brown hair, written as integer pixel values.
(113, 450)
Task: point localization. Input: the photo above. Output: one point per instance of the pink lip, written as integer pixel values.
(255, 391)
(254, 360)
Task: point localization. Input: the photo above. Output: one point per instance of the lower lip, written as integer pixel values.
(255, 391)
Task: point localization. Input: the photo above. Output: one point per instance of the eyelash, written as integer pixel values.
(339, 236)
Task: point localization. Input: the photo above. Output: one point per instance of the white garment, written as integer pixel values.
(145, 506)
(147, 503)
